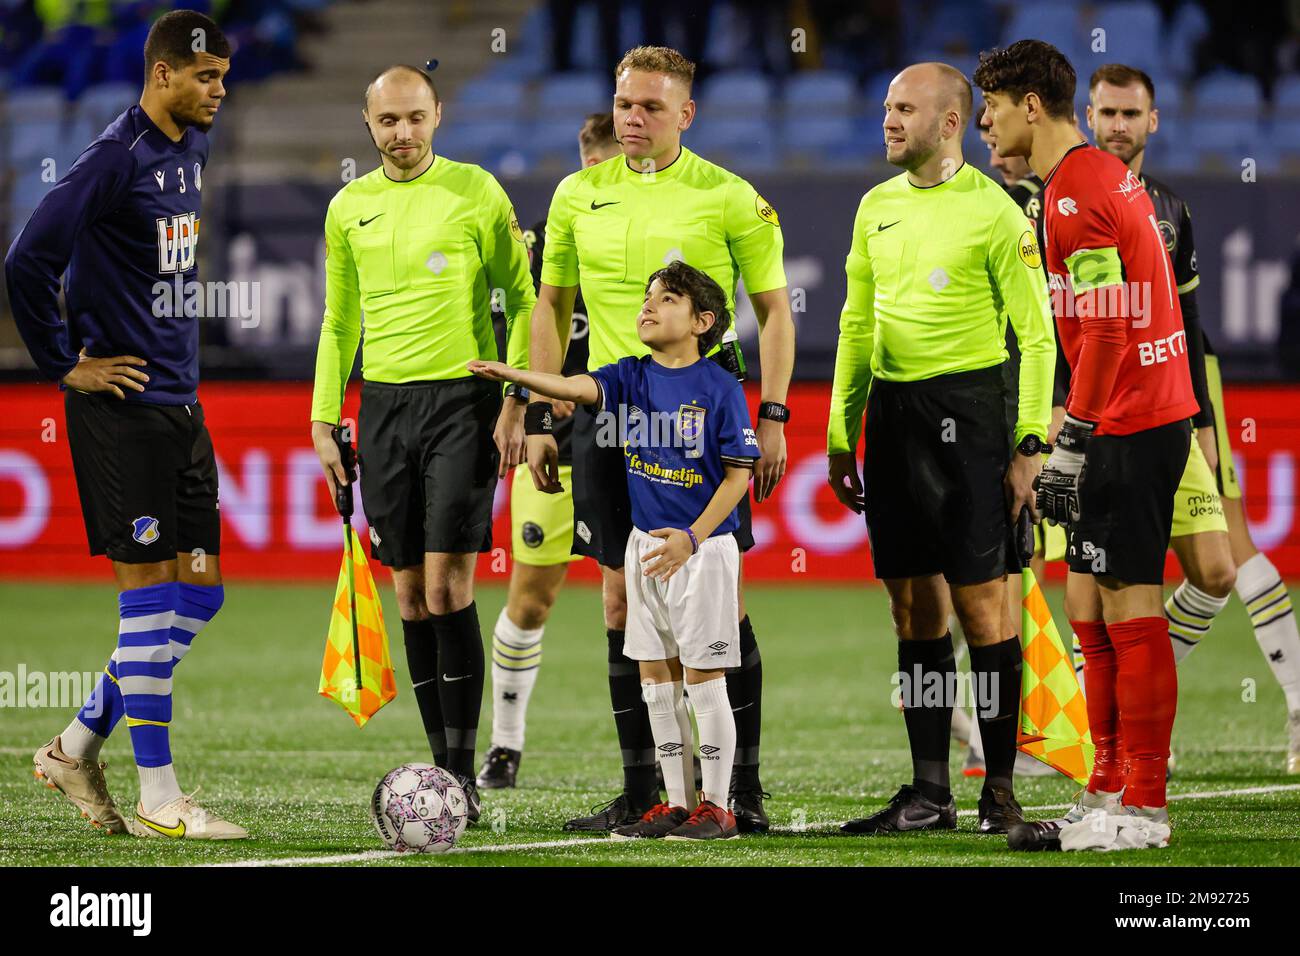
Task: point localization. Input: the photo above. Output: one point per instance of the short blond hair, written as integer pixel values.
(657, 59)
(597, 132)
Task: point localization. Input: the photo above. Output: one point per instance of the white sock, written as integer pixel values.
(1191, 612)
(81, 742)
(157, 786)
(717, 737)
(1271, 615)
(516, 657)
(672, 746)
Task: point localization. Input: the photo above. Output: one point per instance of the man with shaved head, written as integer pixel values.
(941, 257)
(426, 248)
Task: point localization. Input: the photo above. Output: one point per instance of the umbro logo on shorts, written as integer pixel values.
(718, 646)
(670, 749)
(144, 529)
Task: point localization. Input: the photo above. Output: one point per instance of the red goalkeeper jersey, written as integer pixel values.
(1114, 296)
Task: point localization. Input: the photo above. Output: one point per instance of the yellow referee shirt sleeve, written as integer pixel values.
(340, 331)
(1015, 266)
(857, 341)
(505, 261)
(753, 236)
(560, 254)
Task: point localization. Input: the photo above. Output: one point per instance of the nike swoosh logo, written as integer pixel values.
(627, 711)
(366, 222)
(176, 831)
(595, 205)
(452, 680)
(742, 707)
(882, 227)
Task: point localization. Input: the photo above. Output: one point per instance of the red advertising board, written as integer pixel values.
(279, 524)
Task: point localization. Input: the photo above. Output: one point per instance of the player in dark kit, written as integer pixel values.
(1118, 459)
(121, 224)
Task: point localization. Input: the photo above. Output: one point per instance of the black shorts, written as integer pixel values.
(1126, 503)
(428, 467)
(936, 453)
(147, 478)
(602, 507)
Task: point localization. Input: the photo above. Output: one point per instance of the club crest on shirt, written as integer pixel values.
(144, 529)
(690, 425)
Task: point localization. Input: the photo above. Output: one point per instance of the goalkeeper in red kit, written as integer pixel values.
(1120, 454)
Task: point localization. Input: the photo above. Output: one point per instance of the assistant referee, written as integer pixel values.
(422, 245)
(940, 253)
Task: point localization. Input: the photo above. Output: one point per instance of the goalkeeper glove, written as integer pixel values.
(1058, 483)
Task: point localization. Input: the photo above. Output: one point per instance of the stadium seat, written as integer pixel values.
(1226, 122)
(1134, 36)
(740, 143)
(565, 94)
(490, 98)
(1058, 24)
(102, 104)
(820, 92)
(737, 90)
(1225, 90)
(1286, 98)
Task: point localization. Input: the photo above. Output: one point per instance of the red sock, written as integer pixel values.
(1147, 691)
(1099, 671)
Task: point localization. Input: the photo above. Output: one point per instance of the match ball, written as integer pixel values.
(419, 808)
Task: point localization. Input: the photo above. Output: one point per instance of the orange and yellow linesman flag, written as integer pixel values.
(357, 636)
(1053, 715)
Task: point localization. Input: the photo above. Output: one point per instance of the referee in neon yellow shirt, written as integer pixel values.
(423, 246)
(609, 227)
(941, 257)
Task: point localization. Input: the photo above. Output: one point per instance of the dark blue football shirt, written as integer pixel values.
(679, 428)
(121, 230)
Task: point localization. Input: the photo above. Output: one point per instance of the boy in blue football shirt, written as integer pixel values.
(689, 450)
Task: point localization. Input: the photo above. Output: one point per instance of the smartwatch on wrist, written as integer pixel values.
(1032, 445)
(774, 412)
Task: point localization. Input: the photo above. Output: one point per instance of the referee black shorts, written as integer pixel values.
(146, 476)
(428, 467)
(1126, 503)
(936, 454)
(602, 507)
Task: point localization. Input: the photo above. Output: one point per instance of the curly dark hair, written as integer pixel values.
(1030, 66)
(705, 295)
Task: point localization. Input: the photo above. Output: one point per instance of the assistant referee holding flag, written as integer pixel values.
(940, 255)
(425, 247)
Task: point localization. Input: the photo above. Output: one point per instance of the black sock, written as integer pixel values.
(745, 690)
(995, 674)
(633, 722)
(422, 661)
(928, 727)
(460, 684)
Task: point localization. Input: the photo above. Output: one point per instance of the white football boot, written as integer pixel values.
(182, 818)
(82, 782)
(1293, 750)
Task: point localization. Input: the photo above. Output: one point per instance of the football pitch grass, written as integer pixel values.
(292, 768)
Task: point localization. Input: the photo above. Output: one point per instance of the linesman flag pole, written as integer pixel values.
(357, 672)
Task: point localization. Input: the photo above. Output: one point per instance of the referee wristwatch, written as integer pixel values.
(774, 412)
(1032, 445)
(517, 392)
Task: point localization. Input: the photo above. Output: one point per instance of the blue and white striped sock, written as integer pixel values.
(144, 676)
(196, 605)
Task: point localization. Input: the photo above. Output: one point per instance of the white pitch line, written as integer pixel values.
(390, 855)
(600, 841)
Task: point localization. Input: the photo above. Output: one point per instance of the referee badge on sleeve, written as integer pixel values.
(1028, 249)
(515, 231)
(765, 211)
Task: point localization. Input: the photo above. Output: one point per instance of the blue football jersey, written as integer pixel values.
(121, 231)
(679, 428)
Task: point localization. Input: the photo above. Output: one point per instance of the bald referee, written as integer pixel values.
(939, 254)
(423, 246)
(609, 227)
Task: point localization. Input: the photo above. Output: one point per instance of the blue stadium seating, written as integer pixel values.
(566, 94)
(737, 90)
